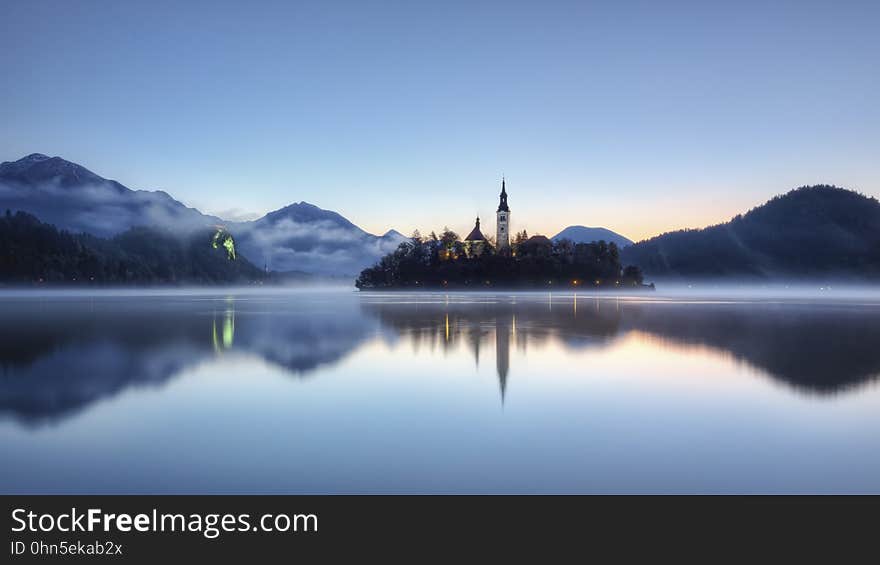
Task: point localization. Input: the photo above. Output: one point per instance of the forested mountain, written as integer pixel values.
(34, 252)
(300, 237)
(821, 232)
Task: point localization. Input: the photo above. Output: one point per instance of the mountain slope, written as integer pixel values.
(583, 234)
(303, 237)
(74, 198)
(300, 237)
(34, 252)
(810, 232)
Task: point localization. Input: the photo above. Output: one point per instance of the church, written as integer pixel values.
(475, 244)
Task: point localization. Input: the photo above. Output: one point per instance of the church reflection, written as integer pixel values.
(503, 334)
(501, 325)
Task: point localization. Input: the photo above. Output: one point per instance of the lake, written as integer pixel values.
(334, 391)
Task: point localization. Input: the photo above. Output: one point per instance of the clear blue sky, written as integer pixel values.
(637, 116)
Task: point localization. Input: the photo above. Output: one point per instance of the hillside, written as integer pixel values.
(300, 237)
(71, 197)
(811, 232)
(304, 237)
(32, 252)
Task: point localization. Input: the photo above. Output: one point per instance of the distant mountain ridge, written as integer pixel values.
(37, 167)
(74, 198)
(299, 237)
(583, 234)
(817, 231)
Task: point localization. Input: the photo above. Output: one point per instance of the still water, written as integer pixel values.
(341, 392)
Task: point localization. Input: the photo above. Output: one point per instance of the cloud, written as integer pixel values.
(323, 245)
(100, 208)
(236, 215)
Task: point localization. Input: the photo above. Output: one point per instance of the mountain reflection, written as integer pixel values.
(818, 348)
(60, 356)
(814, 348)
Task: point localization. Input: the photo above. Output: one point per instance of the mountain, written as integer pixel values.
(303, 237)
(34, 252)
(300, 237)
(811, 232)
(74, 198)
(582, 234)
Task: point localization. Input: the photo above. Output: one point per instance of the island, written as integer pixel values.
(446, 261)
(478, 261)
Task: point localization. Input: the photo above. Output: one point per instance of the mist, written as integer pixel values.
(798, 289)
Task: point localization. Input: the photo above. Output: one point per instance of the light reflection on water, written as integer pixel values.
(347, 392)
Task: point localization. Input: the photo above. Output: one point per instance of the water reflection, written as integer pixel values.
(814, 348)
(494, 322)
(224, 338)
(59, 356)
(820, 348)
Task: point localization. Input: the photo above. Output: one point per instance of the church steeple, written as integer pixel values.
(502, 205)
(502, 220)
(476, 234)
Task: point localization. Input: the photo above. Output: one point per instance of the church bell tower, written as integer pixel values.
(502, 221)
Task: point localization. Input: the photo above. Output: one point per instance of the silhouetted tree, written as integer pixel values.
(34, 252)
(544, 263)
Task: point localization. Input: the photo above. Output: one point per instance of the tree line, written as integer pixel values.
(33, 252)
(444, 261)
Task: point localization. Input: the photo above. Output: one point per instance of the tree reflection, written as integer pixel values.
(61, 356)
(814, 348)
(498, 323)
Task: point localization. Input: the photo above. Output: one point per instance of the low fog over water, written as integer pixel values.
(750, 290)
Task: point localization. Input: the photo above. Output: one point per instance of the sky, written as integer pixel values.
(641, 117)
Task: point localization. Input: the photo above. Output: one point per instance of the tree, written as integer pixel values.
(442, 264)
(448, 237)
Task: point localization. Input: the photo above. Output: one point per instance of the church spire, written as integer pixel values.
(502, 217)
(502, 204)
